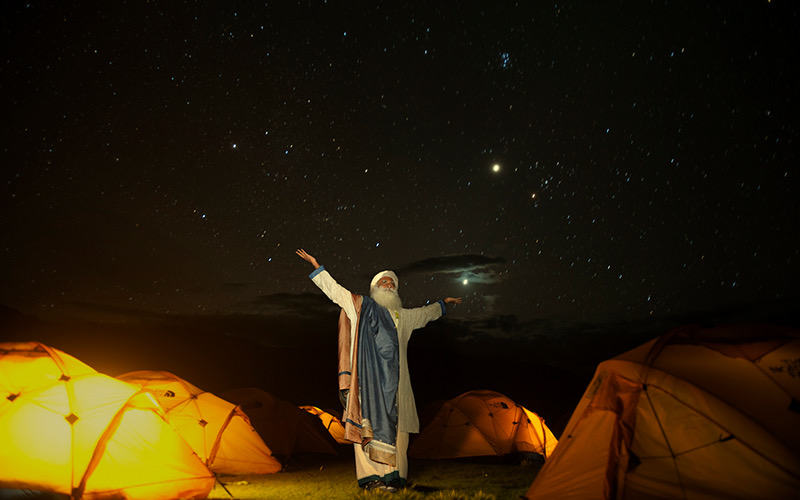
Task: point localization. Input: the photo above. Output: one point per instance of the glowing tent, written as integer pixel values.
(695, 414)
(482, 423)
(330, 421)
(65, 428)
(219, 431)
(283, 426)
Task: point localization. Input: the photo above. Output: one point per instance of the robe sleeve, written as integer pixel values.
(420, 316)
(336, 292)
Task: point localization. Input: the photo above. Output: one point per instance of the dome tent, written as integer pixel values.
(285, 428)
(482, 423)
(330, 421)
(698, 413)
(67, 429)
(218, 431)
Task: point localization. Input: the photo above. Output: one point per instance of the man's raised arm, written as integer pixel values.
(336, 292)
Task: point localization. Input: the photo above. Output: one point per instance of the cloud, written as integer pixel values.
(477, 269)
(236, 286)
(287, 304)
(94, 311)
(505, 326)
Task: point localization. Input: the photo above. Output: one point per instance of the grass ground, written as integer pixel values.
(333, 478)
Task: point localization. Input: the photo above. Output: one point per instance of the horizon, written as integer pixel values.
(294, 358)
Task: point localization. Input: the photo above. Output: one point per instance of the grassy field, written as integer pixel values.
(333, 478)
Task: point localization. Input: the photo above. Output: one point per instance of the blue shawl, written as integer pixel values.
(378, 365)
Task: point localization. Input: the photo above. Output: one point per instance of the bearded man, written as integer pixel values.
(374, 382)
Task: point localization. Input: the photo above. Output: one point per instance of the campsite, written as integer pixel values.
(585, 212)
(287, 379)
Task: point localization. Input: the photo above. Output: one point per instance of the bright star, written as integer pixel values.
(496, 167)
(465, 282)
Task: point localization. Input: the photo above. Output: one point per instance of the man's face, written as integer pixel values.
(384, 292)
(386, 282)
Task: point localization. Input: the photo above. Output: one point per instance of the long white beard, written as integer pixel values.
(387, 298)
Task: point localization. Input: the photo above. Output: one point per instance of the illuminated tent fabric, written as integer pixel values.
(330, 421)
(695, 414)
(482, 423)
(283, 426)
(219, 431)
(65, 428)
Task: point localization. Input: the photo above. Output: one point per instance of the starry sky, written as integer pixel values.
(575, 161)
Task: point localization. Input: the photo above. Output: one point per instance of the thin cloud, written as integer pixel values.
(236, 286)
(474, 268)
(94, 311)
(303, 304)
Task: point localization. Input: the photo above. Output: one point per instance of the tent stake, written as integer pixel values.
(223, 485)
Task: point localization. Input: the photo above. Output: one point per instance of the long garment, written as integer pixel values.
(405, 322)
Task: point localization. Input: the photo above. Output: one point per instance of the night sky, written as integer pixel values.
(559, 161)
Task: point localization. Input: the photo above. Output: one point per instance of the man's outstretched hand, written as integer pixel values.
(451, 300)
(305, 256)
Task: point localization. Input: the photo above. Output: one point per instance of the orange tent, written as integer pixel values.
(330, 421)
(283, 426)
(482, 423)
(219, 431)
(67, 429)
(697, 413)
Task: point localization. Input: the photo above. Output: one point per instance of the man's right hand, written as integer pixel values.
(305, 256)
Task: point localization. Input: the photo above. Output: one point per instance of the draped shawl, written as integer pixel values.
(369, 378)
